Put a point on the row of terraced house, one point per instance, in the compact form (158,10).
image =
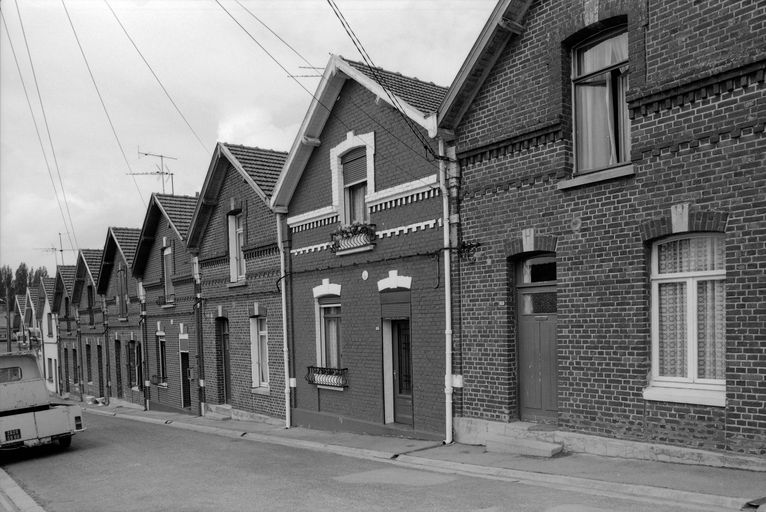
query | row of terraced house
(572,234)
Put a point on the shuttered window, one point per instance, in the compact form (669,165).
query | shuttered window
(354,165)
(395,304)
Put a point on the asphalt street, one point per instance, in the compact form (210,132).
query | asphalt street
(122,465)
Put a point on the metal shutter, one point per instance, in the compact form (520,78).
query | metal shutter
(354,165)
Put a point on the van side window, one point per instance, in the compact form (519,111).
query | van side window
(11,374)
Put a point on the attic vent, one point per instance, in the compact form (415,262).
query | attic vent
(164,241)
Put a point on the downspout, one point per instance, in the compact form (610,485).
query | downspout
(144,336)
(447,295)
(200,344)
(79,353)
(105,317)
(42,348)
(59,382)
(285,347)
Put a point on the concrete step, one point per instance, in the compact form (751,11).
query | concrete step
(218,411)
(498,443)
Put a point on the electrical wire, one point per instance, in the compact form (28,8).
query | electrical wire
(103,104)
(37,129)
(376,76)
(327,108)
(202,144)
(47,127)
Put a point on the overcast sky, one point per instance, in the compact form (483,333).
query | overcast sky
(225,86)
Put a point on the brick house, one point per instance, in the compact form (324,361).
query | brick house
(63,315)
(233,236)
(361,211)
(163,267)
(611,156)
(48,332)
(124,329)
(90,322)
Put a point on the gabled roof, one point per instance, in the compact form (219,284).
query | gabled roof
(122,241)
(424,96)
(418,100)
(32,297)
(46,292)
(505,22)
(21,304)
(259,168)
(177,210)
(86,270)
(64,284)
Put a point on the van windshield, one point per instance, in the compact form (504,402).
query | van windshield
(10,374)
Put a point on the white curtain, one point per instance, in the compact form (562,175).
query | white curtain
(672,329)
(711,330)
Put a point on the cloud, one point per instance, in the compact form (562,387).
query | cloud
(255,127)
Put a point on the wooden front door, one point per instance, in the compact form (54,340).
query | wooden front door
(537,348)
(222,325)
(118,367)
(402,359)
(185,381)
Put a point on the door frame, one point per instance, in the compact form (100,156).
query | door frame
(520,287)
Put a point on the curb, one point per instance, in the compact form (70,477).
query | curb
(686,499)
(15,499)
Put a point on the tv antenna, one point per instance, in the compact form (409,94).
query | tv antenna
(161,171)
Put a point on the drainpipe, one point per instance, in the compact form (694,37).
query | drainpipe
(79,353)
(105,316)
(283,248)
(144,336)
(59,383)
(200,344)
(447,295)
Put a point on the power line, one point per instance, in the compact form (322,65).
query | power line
(37,128)
(101,99)
(329,110)
(157,78)
(373,69)
(47,127)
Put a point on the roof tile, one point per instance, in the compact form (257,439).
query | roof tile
(263,165)
(93,260)
(127,239)
(180,209)
(424,96)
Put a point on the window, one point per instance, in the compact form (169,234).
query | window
(167,273)
(354,164)
(600,82)
(87,363)
(75,366)
(163,362)
(11,374)
(329,335)
(122,285)
(50,324)
(259,351)
(689,316)
(236,243)
(66,314)
(91,302)
(50,369)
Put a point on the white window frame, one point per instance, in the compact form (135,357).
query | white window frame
(322,335)
(162,346)
(237,264)
(688,389)
(259,351)
(348,214)
(578,78)
(336,170)
(167,271)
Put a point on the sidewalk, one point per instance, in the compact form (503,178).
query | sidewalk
(687,486)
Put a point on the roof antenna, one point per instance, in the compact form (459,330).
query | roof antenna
(161,171)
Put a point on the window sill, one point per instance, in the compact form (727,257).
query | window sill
(168,306)
(261,390)
(237,284)
(121,319)
(331,388)
(712,397)
(162,385)
(596,177)
(355,250)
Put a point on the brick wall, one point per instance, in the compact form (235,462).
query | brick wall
(263,272)
(414,252)
(697,137)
